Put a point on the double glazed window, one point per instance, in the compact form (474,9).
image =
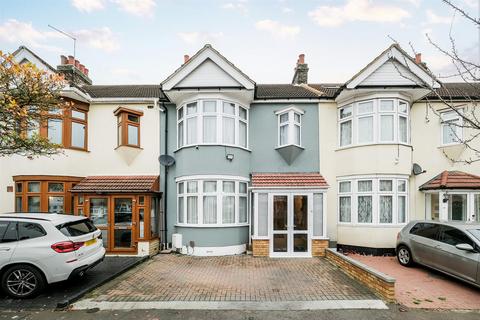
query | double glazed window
(210,202)
(452,131)
(373,121)
(128,127)
(212,122)
(379,200)
(289,127)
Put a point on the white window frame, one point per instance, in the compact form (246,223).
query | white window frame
(447,117)
(200,114)
(291,124)
(219,193)
(376,115)
(375,193)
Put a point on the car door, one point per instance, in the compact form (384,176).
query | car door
(8,241)
(423,239)
(457,262)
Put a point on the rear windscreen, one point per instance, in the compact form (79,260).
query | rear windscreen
(77,228)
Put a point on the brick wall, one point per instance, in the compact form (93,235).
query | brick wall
(318,247)
(381,284)
(153,247)
(260,248)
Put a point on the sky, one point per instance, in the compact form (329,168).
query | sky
(143,41)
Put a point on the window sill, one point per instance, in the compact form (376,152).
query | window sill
(450,145)
(211,145)
(352,146)
(184,225)
(372,225)
(128,146)
(289,145)
(77,149)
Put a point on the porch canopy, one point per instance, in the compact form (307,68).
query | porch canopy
(452,180)
(306,180)
(118,184)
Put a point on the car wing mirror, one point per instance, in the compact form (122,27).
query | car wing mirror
(464,247)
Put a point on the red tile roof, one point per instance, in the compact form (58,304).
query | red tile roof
(452,180)
(118,184)
(298,179)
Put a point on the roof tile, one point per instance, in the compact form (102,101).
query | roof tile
(452,180)
(120,184)
(297,179)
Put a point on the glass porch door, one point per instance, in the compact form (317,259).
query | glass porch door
(123,226)
(290,226)
(98,213)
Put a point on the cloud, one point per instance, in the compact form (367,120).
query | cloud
(357,10)
(88,5)
(99,38)
(239,6)
(137,7)
(15,31)
(433,18)
(416,3)
(199,37)
(141,8)
(277,29)
(471,3)
(287,10)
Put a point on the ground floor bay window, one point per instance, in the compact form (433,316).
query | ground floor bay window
(288,215)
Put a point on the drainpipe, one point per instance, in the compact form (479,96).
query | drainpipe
(165,184)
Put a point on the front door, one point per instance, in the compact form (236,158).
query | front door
(123,226)
(290,221)
(97,210)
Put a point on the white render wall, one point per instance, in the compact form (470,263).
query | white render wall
(102,157)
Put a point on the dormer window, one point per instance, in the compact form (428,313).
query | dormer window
(128,127)
(289,127)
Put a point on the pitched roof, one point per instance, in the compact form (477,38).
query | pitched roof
(452,180)
(456,90)
(125,91)
(294,179)
(118,184)
(35,55)
(283,91)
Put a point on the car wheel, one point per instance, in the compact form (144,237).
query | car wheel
(404,256)
(22,281)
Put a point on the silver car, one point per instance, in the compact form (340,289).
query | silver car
(452,248)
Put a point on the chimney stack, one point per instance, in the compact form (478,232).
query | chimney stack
(73,70)
(301,71)
(418,58)
(186,58)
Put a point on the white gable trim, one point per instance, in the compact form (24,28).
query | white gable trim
(207,52)
(396,55)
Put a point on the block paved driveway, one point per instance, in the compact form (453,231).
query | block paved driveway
(232,278)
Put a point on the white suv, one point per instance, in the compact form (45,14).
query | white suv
(38,249)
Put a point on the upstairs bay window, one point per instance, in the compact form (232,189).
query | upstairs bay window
(212,122)
(128,127)
(212,202)
(452,127)
(373,200)
(289,127)
(373,121)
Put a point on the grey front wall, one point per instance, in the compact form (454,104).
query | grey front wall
(211,160)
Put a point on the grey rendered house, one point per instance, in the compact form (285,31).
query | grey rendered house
(242,152)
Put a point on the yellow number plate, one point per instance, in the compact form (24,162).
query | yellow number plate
(90,242)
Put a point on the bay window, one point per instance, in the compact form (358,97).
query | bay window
(209,201)
(212,122)
(289,127)
(128,127)
(373,200)
(373,121)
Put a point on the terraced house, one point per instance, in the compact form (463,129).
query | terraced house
(213,163)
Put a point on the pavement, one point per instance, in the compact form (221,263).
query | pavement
(231,282)
(69,291)
(421,287)
(393,313)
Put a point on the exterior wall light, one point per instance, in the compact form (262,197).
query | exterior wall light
(230,156)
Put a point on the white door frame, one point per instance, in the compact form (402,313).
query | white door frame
(290,228)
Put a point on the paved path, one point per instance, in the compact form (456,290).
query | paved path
(174,278)
(420,287)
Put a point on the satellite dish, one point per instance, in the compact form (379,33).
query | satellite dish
(166,160)
(417,169)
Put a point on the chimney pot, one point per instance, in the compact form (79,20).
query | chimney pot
(63,60)
(418,58)
(301,58)
(85,72)
(77,63)
(82,68)
(186,58)
(71,60)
